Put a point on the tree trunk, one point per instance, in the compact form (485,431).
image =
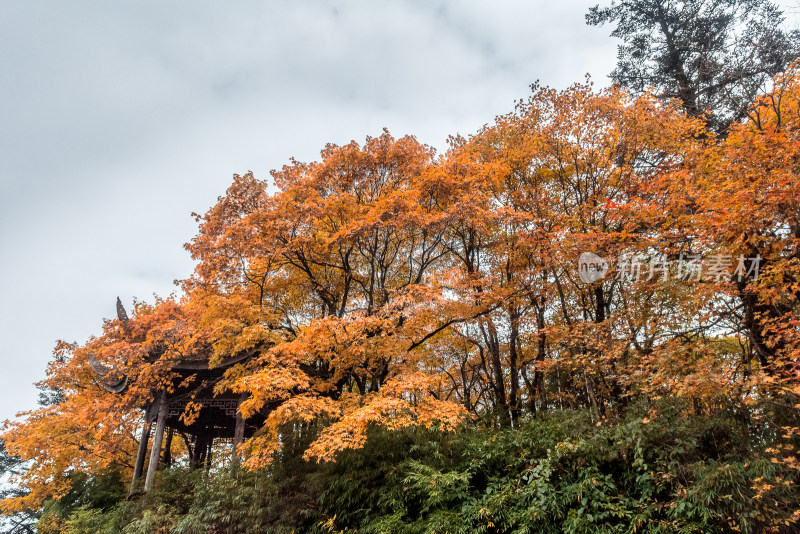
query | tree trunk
(238,434)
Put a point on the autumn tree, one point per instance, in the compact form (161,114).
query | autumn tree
(565,173)
(339,259)
(751,205)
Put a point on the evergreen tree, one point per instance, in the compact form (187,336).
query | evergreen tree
(20,523)
(714,56)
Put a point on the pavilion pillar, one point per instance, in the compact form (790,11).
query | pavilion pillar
(166,459)
(199,450)
(238,433)
(155,451)
(141,454)
(209,450)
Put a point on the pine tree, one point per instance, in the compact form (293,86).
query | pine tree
(714,56)
(21,522)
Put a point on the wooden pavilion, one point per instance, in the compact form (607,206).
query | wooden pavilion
(218,416)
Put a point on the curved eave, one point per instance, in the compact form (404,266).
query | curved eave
(203,365)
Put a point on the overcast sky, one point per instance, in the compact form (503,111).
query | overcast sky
(118,119)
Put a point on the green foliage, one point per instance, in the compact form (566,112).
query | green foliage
(89,498)
(560,472)
(191,501)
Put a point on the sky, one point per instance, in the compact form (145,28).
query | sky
(120,119)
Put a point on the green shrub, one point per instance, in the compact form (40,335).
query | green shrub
(560,472)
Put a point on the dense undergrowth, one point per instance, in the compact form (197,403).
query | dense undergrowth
(562,472)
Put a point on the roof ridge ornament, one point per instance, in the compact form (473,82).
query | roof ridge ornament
(121,314)
(108,379)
